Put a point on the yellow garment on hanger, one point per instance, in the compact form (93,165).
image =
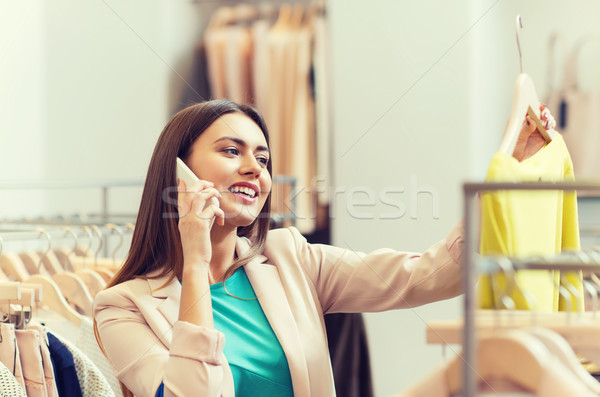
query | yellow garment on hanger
(526,223)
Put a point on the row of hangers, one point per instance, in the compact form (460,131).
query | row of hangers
(286,17)
(517,346)
(70,277)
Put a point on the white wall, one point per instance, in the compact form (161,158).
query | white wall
(401,121)
(22,116)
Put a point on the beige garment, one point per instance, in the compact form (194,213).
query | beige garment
(260,63)
(289,114)
(9,352)
(214,43)
(29,342)
(323,119)
(274,113)
(303,153)
(280,117)
(238,64)
(296,283)
(51,387)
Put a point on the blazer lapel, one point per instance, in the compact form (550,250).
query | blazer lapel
(269,290)
(167,303)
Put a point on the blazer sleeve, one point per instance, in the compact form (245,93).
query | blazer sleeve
(190,366)
(349,281)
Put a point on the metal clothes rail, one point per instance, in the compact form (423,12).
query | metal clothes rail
(103,184)
(470,262)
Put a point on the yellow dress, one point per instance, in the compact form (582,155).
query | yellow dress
(525,223)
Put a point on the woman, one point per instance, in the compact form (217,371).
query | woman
(237,309)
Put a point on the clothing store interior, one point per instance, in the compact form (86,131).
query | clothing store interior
(390,122)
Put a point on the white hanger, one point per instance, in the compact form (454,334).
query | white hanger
(525,102)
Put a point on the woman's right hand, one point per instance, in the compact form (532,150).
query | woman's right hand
(195,220)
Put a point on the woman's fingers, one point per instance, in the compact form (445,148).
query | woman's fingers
(192,198)
(220,216)
(202,200)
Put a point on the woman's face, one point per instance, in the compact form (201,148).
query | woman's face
(233,154)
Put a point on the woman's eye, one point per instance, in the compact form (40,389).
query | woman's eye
(232,151)
(262,160)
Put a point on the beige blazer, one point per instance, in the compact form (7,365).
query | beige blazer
(295,283)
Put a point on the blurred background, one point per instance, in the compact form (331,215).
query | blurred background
(412,99)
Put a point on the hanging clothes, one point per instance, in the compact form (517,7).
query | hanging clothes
(347,341)
(9,386)
(260,62)
(290,117)
(46,359)
(578,114)
(322,97)
(214,43)
(238,63)
(86,342)
(91,380)
(64,368)
(29,343)
(9,352)
(525,223)
(250,61)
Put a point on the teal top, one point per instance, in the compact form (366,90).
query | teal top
(257,361)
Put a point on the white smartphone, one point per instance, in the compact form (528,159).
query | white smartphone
(185,174)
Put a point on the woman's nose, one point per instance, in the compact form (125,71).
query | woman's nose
(251,166)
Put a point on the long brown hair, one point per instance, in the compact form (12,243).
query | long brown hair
(156,244)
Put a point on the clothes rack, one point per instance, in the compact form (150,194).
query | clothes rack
(471,262)
(106,186)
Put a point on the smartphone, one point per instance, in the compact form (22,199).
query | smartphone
(185,174)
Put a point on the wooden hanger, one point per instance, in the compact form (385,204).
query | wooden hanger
(34,263)
(75,291)
(14,299)
(50,262)
(10,290)
(222,17)
(54,299)
(13,266)
(47,258)
(284,18)
(513,356)
(525,103)
(92,279)
(245,14)
(560,348)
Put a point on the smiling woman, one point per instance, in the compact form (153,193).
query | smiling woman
(234,309)
(232,153)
